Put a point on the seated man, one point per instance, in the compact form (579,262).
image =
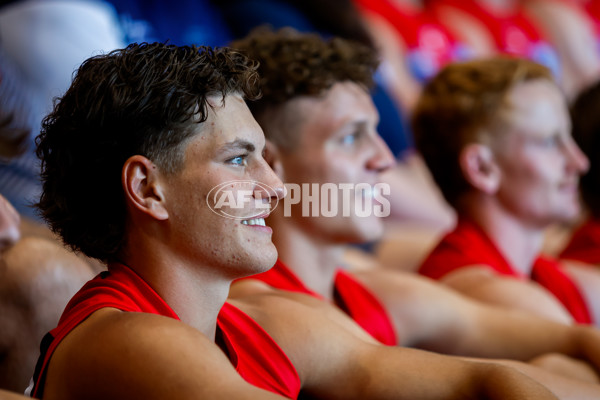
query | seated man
(38,277)
(496,136)
(130,156)
(42,44)
(321,130)
(571,29)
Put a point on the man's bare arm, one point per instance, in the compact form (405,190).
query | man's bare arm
(480,283)
(325,353)
(431,316)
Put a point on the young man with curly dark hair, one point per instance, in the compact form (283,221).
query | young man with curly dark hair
(130,156)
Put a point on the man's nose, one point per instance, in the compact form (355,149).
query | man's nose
(382,158)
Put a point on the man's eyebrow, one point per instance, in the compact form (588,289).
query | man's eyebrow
(353,124)
(361,124)
(238,144)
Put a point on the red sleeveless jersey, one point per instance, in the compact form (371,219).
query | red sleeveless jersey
(254,354)
(469,245)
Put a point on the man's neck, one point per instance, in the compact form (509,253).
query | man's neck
(195,293)
(519,243)
(313,260)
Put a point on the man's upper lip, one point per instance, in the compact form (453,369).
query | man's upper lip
(263,216)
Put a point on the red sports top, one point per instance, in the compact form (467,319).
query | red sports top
(349,294)
(430,45)
(469,245)
(513,33)
(584,245)
(254,354)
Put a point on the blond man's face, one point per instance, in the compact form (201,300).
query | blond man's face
(539,162)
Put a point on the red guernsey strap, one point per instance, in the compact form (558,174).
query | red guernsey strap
(358,302)
(255,355)
(547,272)
(469,245)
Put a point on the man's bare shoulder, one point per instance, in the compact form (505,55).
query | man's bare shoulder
(260,296)
(384,277)
(139,355)
(482,283)
(248,287)
(275,307)
(401,289)
(319,340)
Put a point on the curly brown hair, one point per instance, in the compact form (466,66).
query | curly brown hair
(457,106)
(145,99)
(296,64)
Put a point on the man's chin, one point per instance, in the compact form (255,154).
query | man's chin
(267,261)
(569,214)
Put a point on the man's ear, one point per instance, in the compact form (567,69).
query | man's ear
(479,167)
(142,187)
(273,158)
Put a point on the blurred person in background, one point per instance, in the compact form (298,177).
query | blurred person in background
(321,131)
(575,34)
(493,27)
(418,213)
(496,135)
(41,44)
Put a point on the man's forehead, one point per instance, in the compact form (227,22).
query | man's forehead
(220,142)
(533,102)
(229,128)
(342,104)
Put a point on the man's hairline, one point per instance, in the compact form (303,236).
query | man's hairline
(284,139)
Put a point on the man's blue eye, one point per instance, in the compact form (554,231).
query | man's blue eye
(551,141)
(349,139)
(239,160)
